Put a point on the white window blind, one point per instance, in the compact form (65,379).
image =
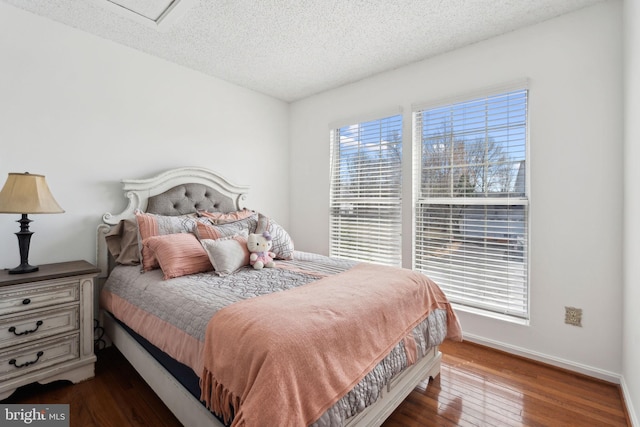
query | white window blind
(472,203)
(365,198)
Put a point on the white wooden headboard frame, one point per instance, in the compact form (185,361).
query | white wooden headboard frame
(138,191)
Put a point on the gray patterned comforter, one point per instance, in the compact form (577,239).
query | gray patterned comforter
(187,303)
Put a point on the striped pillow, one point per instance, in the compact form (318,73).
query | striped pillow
(178,254)
(150,225)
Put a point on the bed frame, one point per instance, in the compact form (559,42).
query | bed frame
(189,410)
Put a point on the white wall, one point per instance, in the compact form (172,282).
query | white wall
(631,332)
(87,112)
(574,66)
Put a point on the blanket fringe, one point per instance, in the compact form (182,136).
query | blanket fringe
(219,399)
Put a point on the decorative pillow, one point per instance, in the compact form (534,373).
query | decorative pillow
(224,218)
(242,227)
(122,241)
(178,254)
(150,225)
(282,243)
(228,254)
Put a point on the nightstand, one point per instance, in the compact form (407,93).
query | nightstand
(46,325)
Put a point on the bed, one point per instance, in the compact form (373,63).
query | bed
(214,337)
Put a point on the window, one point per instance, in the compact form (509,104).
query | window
(365,199)
(472,204)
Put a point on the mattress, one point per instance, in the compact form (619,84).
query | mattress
(173,315)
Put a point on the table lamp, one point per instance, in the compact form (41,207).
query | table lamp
(24,194)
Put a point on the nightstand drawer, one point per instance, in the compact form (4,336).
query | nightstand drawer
(31,357)
(21,298)
(38,324)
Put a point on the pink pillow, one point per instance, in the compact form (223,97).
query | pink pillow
(178,254)
(150,225)
(224,218)
(242,227)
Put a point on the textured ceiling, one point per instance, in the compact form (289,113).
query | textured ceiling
(148,9)
(291,49)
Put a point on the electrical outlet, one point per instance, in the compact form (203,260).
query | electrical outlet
(573,316)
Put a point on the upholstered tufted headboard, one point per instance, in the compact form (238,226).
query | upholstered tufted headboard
(174,192)
(188,198)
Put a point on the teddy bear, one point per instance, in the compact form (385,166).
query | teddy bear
(259,245)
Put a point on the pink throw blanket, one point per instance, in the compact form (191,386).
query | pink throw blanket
(283,359)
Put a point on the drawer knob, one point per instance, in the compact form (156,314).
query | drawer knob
(15,363)
(26,301)
(13,329)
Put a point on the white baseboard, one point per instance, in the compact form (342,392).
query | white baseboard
(602,374)
(628,402)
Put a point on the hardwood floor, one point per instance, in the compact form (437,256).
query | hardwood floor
(477,386)
(116,397)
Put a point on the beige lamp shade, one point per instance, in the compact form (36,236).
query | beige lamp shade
(26,193)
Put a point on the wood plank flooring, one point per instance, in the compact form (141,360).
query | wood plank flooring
(477,386)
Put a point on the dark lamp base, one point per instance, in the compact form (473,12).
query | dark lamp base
(24,239)
(23,268)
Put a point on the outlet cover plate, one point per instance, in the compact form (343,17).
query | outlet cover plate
(573,316)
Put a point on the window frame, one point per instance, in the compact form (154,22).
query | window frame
(522,314)
(376,244)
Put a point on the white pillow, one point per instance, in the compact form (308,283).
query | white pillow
(227,255)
